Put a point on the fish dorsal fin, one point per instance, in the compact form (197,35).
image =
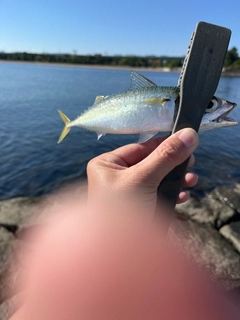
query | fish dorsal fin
(139,81)
(98,99)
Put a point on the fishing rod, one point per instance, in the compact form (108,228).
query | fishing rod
(198,82)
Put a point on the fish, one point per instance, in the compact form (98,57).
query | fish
(144,109)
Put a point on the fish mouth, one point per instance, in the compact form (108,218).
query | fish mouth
(223,116)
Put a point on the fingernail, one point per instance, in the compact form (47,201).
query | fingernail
(189,137)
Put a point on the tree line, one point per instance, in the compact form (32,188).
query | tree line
(96,59)
(232,60)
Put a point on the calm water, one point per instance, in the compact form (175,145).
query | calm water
(31,161)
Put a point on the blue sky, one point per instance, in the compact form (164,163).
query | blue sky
(151,27)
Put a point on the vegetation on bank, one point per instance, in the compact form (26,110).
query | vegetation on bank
(96,59)
(232,59)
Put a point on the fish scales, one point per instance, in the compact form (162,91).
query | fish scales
(132,111)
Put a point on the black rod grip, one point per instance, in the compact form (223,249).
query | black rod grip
(169,188)
(199,79)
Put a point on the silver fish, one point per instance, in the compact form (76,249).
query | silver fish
(144,109)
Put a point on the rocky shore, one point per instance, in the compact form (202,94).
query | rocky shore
(231,73)
(207,230)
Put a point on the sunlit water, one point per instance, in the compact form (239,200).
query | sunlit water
(31,161)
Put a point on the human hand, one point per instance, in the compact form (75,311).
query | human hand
(109,267)
(135,171)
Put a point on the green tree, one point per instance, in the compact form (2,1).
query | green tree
(231,57)
(174,63)
(236,64)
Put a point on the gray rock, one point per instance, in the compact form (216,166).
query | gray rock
(218,213)
(10,306)
(217,208)
(232,233)
(228,195)
(10,263)
(7,246)
(17,211)
(208,249)
(197,211)
(190,208)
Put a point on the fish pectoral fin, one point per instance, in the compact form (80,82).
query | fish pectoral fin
(98,99)
(99,135)
(145,136)
(139,81)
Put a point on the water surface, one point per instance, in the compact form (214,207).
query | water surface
(32,163)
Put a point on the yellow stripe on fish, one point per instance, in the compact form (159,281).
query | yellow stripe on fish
(156,101)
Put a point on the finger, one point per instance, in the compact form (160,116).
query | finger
(182,197)
(191,161)
(133,153)
(169,154)
(190,179)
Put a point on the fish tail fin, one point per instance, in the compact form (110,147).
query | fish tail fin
(66,129)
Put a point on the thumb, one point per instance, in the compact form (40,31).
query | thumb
(169,154)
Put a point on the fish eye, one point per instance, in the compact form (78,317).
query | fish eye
(213,105)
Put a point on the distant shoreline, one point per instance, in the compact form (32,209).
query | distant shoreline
(225,73)
(96,66)
(231,73)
